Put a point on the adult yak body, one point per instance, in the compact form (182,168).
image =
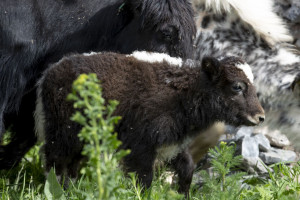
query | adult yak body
(36,33)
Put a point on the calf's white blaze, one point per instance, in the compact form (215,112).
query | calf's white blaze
(247,70)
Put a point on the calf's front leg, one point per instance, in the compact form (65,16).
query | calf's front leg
(184,166)
(142,164)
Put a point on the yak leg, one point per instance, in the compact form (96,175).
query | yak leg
(184,168)
(142,164)
(23,135)
(62,151)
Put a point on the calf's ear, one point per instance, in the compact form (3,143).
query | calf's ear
(212,67)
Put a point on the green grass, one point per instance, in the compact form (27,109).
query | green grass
(27,181)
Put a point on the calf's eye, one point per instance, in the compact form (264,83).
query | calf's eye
(238,87)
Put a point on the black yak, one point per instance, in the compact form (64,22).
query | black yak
(34,34)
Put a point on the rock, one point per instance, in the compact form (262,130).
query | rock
(197,179)
(274,136)
(245,181)
(298,43)
(168,177)
(263,142)
(254,165)
(247,146)
(243,131)
(277,155)
(277,139)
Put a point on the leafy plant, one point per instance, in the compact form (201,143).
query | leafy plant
(283,183)
(100,144)
(220,185)
(53,189)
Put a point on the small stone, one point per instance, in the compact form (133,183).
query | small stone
(169,177)
(277,155)
(263,142)
(254,165)
(197,179)
(247,146)
(244,131)
(260,129)
(277,139)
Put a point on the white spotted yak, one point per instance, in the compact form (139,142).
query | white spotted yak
(251,30)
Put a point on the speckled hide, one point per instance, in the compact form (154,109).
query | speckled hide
(164,103)
(251,30)
(289,10)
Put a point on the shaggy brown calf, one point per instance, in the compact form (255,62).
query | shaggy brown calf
(163,104)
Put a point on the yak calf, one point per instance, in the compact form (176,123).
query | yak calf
(164,103)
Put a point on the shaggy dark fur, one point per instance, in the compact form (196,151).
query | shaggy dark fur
(36,33)
(161,105)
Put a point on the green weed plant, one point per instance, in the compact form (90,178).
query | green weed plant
(96,117)
(281,183)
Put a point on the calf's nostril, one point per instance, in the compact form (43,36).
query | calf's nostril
(261,119)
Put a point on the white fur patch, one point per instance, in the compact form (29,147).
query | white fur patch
(285,57)
(247,70)
(90,54)
(153,57)
(258,13)
(167,153)
(216,5)
(287,79)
